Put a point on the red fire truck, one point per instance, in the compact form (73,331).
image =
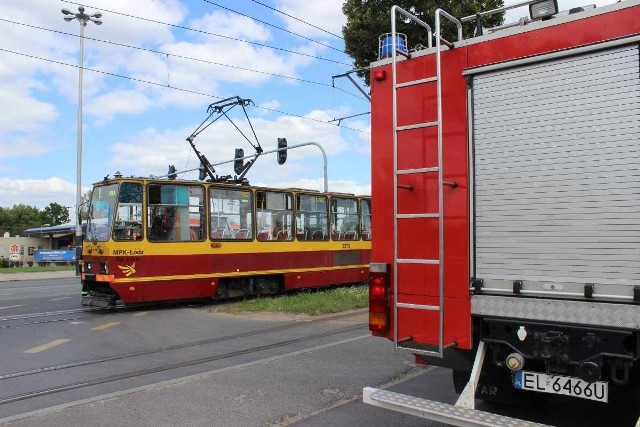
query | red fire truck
(512,162)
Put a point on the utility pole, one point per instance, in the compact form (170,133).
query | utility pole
(82,18)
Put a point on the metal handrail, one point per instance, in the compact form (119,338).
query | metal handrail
(497,10)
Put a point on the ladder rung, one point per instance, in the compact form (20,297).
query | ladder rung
(416,82)
(418,170)
(419,306)
(417,126)
(420,215)
(417,261)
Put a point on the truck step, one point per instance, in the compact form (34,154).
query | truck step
(438,411)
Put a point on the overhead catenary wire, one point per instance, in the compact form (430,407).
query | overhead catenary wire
(182,27)
(272,25)
(182,57)
(162,85)
(297,19)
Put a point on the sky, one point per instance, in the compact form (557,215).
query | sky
(150,72)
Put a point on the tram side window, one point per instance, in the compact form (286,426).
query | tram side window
(365,219)
(175,213)
(274,216)
(312,218)
(128,225)
(231,214)
(344,219)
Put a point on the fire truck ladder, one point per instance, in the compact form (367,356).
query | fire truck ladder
(428,170)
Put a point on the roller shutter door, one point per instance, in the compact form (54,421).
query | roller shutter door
(557,175)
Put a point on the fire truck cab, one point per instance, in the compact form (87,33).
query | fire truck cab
(511,161)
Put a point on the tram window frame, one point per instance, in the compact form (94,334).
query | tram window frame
(311,220)
(101,212)
(274,216)
(129,213)
(345,224)
(170,210)
(365,219)
(220,226)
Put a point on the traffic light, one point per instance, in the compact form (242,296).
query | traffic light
(172,172)
(238,163)
(282,154)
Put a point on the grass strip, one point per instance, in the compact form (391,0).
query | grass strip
(11,270)
(312,302)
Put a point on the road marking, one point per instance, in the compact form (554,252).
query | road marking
(11,306)
(58,299)
(47,346)
(166,383)
(141,313)
(105,326)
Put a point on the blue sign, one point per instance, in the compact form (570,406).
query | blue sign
(50,255)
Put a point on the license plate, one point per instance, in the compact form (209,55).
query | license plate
(558,384)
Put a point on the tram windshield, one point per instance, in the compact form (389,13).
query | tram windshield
(101,212)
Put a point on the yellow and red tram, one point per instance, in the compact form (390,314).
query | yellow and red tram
(150,240)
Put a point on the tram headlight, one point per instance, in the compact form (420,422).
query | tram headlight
(104,268)
(88,266)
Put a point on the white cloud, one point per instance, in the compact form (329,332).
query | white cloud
(146,124)
(124,101)
(230,25)
(39,193)
(15,101)
(151,151)
(323,14)
(272,104)
(22,146)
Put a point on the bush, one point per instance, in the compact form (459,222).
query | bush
(4,263)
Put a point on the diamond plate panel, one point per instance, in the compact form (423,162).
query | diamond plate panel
(578,312)
(440,411)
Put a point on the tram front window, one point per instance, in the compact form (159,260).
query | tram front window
(101,212)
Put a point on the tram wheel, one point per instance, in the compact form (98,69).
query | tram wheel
(221,292)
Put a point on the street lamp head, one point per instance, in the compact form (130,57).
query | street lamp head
(97,21)
(81,9)
(66,12)
(97,15)
(69,18)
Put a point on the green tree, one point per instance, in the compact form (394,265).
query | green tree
(55,214)
(368,19)
(20,217)
(4,220)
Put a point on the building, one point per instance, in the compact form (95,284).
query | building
(41,245)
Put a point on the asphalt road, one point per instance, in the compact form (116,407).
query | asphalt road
(189,365)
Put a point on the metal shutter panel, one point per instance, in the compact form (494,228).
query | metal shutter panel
(557,175)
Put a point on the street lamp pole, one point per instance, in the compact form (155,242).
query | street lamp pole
(82,18)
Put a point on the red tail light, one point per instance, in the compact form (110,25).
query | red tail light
(378,298)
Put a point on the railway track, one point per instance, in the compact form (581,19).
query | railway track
(50,317)
(176,365)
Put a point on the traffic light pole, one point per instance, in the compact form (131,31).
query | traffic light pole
(304,144)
